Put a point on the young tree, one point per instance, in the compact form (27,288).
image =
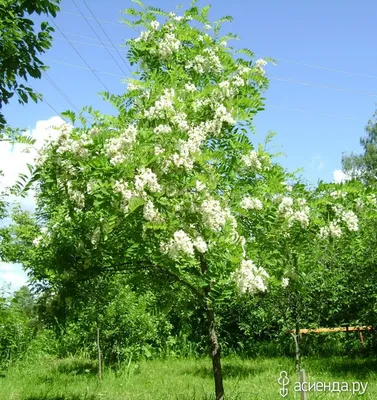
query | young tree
(364,166)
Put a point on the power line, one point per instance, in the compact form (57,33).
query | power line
(82,58)
(86,4)
(85,43)
(98,37)
(90,38)
(268,105)
(81,67)
(311,112)
(353,91)
(327,68)
(82,16)
(61,92)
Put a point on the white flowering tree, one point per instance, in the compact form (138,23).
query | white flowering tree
(313,227)
(170,182)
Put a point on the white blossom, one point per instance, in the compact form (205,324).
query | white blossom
(250,278)
(180,243)
(285,282)
(251,203)
(190,87)
(200,244)
(213,215)
(150,213)
(146,178)
(251,160)
(155,25)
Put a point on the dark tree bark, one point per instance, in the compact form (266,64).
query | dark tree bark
(215,354)
(214,345)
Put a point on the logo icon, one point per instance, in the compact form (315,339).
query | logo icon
(283,381)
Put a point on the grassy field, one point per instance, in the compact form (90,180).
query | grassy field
(190,379)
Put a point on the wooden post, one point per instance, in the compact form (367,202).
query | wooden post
(99,358)
(302,380)
(297,351)
(361,338)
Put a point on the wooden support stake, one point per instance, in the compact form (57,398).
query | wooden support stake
(302,380)
(99,358)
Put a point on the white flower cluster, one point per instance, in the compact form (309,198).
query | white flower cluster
(96,235)
(162,129)
(144,37)
(300,215)
(150,213)
(260,64)
(131,86)
(359,204)
(213,215)
(180,119)
(332,230)
(337,194)
(158,150)
(182,243)
(76,196)
(199,186)
(146,178)
(155,25)
(190,87)
(165,103)
(285,283)
(115,147)
(250,278)
(187,149)
(74,146)
(242,70)
(252,160)
(37,241)
(251,203)
(348,217)
(168,45)
(222,114)
(204,64)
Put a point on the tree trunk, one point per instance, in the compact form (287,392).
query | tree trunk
(297,345)
(214,346)
(99,357)
(215,354)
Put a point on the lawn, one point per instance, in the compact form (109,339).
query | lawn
(76,379)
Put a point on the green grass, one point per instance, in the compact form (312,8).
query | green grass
(186,379)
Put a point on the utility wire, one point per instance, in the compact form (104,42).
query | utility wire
(102,20)
(311,112)
(61,92)
(81,67)
(103,30)
(268,105)
(290,80)
(82,58)
(98,37)
(327,68)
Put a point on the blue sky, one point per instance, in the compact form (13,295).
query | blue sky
(317,110)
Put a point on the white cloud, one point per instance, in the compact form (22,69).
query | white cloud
(317,162)
(13,161)
(340,176)
(12,274)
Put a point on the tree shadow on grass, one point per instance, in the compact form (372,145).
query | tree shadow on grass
(78,367)
(64,397)
(229,371)
(358,368)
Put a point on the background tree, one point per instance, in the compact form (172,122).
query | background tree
(20,46)
(364,166)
